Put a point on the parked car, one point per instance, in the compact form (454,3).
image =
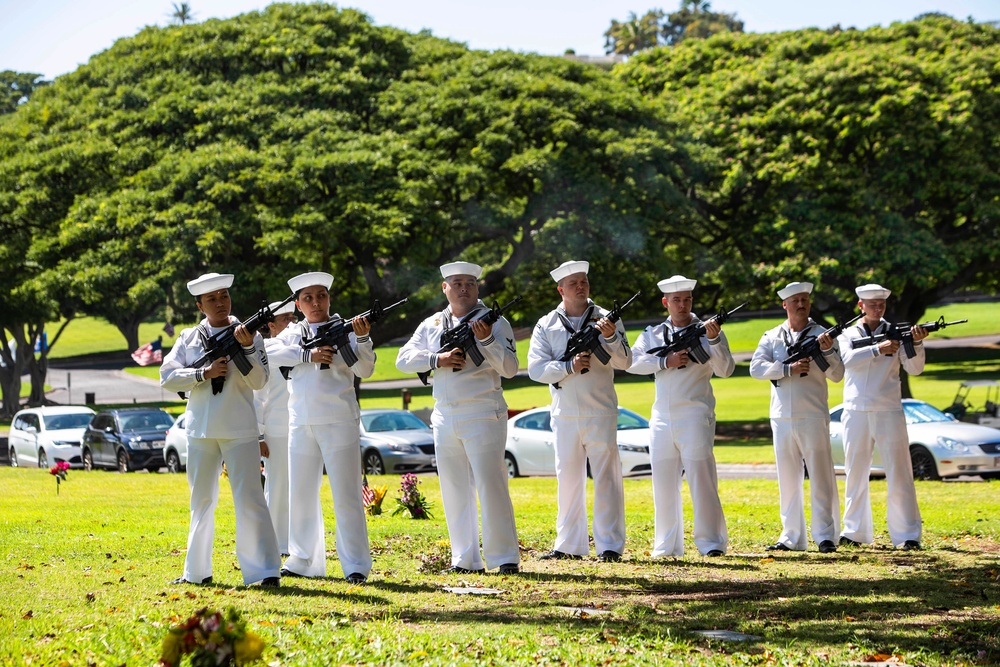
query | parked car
(531,443)
(175,448)
(396,441)
(45,436)
(940,446)
(126,439)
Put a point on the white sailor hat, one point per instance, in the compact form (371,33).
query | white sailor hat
(210,282)
(287,309)
(872,291)
(676,284)
(569,268)
(304,280)
(461,269)
(794,288)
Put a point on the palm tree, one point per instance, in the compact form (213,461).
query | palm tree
(634,34)
(182,13)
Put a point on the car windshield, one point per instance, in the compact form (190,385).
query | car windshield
(60,422)
(146,421)
(922,413)
(393,421)
(629,421)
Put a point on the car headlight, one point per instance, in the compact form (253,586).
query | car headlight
(952,445)
(65,443)
(404,448)
(139,444)
(632,448)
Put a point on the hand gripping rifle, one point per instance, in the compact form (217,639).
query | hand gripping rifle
(903,332)
(224,343)
(808,347)
(461,335)
(588,338)
(689,338)
(336,333)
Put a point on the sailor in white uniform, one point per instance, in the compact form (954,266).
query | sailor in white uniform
(800,423)
(222,428)
(324,428)
(682,428)
(470,424)
(271,404)
(873,417)
(584,417)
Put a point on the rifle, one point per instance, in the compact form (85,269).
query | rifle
(689,338)
(335,333)
(903,332)
(224,343)
(461,335)
(588,338)
(808,347)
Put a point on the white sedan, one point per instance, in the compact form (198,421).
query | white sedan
(175,447)
(940,446)
(531,443)
(45,436)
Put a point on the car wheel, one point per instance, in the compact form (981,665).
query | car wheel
(512,470)
(173,462)
(373,463)
(43,459)
(88,460)
(12,457)
(122,461)
(923,463)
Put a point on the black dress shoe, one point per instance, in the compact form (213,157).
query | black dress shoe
(715,553)
(182,580)
(559,555)
(778,546)
(609,556)
(827,547)
(848,542)
(270,582)
(911,545)
(356,578)
(509,568)
(285,572)
(455,569)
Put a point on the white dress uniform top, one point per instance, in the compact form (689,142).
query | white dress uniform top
(324,415)
(470,434)
(271,404)
(682,434)
(222,428)
(585,426)
(873,416)
(800,422)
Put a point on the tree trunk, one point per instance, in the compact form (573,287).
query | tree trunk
(904,380)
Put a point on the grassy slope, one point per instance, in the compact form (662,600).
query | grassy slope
(85,578)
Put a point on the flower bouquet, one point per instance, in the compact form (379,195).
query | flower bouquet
(59,471)
(212,640)
(373,497)
(411,500)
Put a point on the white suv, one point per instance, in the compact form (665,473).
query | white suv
(175,451)
(45,436)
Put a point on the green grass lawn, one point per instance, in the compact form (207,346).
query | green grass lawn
(85,582)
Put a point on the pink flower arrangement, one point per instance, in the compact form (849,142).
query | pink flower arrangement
(411,500)
(211,640)
(59,471)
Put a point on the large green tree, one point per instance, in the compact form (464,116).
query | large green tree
(841,157)
(16,88)
(304,137)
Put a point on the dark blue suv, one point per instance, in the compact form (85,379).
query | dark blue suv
(126,439)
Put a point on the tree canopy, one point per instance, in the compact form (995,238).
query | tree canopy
(693,20)
(841,157)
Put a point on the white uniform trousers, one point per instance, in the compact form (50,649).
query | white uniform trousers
(795,441)
(256,547)
(276,486)
(887,430)
(577,440)
(339,447)
(470,451)
(685,446)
